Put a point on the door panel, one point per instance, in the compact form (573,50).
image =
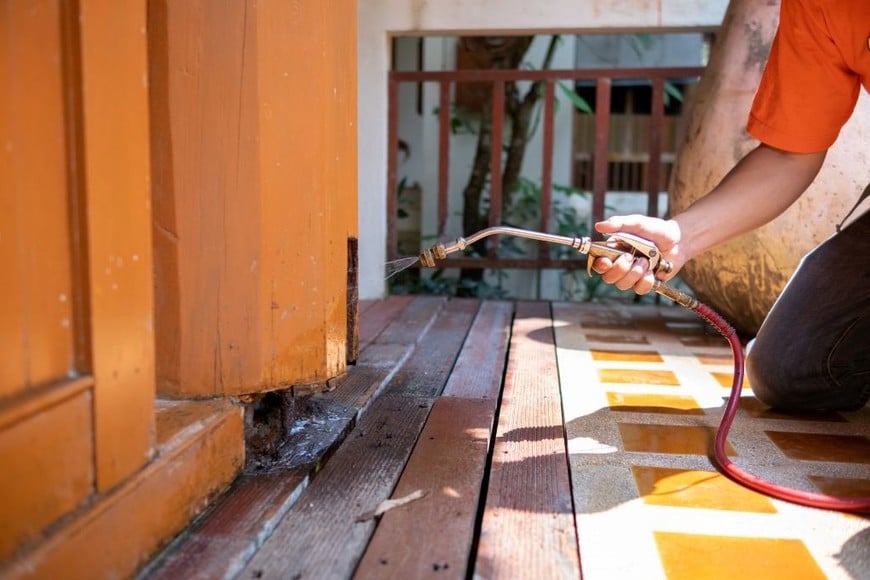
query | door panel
(76,330)
(36,321)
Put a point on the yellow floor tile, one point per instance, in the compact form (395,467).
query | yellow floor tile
(650,403)
(689,557)
(624,376)
(697,489)
(725,379)
(672,439)
(822,447)
(626,355)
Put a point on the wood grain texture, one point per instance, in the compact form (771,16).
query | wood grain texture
(363,471)
(528,521)
(120,279)
(255,192)
(478,371)
(376,315)
(131,522)
(36,317)
(433,536)
(320,537)
(221,544)
(427,370)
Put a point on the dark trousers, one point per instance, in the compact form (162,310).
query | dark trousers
(813,349)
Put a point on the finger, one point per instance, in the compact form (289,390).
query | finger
(619,269)
(602,265)
(645,284)
(637,270)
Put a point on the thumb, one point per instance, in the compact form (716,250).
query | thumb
(610,225)
(637,224)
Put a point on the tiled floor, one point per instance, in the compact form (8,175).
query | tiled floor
(648,500)
(546,441)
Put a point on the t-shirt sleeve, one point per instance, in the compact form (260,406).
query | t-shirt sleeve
(806,93)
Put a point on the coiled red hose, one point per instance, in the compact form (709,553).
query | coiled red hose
(817,500)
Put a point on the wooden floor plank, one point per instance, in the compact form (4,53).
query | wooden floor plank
(479,369)
(426,373)
(411,322)
(221,543)
(434,535)
(376,315)
(528,521)
(364,470)
(320,536)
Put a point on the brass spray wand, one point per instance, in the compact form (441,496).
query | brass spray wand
(614,247)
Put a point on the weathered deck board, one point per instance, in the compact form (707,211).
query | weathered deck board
(443,340)
(364,470)
(528,521)
(435,535)
(376,315)
(226,538)
(480,367)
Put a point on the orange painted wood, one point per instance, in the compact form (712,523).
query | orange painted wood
(116,167)
(210,330)
(47,469)
(307,144)
(254,108)
(528,521)
(434,535)
(201,454)
(36,296)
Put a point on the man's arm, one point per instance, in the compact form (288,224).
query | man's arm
(759,188)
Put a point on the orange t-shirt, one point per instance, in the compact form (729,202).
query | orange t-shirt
(818,61)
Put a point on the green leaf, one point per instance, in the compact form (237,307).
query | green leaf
(579,102)
(671,90)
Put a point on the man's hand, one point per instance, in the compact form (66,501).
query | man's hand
(629,273)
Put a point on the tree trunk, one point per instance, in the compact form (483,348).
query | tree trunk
(505,55)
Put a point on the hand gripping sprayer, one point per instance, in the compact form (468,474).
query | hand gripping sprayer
(613,248)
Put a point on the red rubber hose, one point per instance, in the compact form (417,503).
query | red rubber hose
(817,500)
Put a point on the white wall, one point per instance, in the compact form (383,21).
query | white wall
(379,20)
